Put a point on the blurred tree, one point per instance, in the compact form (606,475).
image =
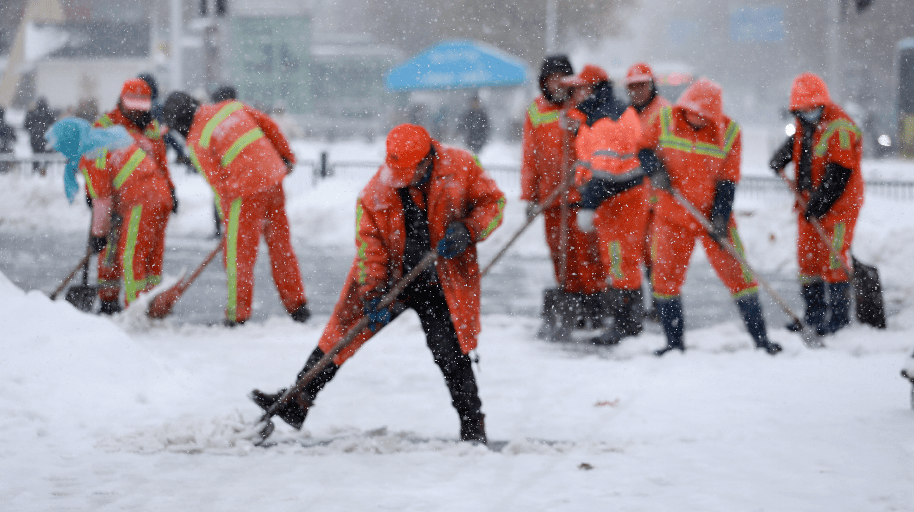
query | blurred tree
(517,27)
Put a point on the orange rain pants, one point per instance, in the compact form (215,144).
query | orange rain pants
(584,270)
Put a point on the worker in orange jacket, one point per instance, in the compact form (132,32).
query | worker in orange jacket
(645,98)
(425,197)
(826,150)
(694,148)
(614,196)
(133,113)
(546,167)
(244,157)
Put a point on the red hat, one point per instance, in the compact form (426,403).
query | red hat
(407,145)
(136,95)
(808,92)
(639,72)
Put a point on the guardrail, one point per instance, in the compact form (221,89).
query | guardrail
(507,176)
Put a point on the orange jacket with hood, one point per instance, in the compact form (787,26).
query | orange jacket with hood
(459,190)
(239,149)
(695,159)
(836,139)
(151,138)
(547,153)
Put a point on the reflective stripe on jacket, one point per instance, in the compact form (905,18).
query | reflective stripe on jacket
(239,149)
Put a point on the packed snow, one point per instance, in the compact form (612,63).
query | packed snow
(127,413)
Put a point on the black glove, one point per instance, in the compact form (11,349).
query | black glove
(455,241)
(654,168)
(97,244)
(830,190)
(174,202)
(721,209)
(782,156)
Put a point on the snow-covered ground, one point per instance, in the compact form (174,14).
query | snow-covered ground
(125,413)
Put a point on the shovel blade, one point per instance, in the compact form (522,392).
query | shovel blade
(82,297)
(264,432)
(160,306)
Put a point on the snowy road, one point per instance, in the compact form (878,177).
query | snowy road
(514,286)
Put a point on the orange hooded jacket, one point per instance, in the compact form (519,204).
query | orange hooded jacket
(695,159)
(152,140)
(835,140)
(239,149)
(459,190)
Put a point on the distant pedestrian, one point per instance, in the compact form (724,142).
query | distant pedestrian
(37,122)
(474,125)
(7,140)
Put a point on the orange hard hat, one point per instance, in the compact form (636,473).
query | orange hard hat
(407,145)
(808,92)
(136,95)
(590,76)
(639,72)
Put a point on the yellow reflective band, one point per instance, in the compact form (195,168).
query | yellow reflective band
(231,259)
(239,145)
(207,134)
(745,293)
(668,140)
(844,129)
(837,242)
(154,131)
(492,225)
(615,256)
(88,178)
(538,118)
(105,121)
(132,286)
(129,167)
(730,137)
(362,246)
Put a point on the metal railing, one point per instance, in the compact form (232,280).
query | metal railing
(507,176)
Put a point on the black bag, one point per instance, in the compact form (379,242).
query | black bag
(868,295)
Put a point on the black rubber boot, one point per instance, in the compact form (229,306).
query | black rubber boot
(302,314)
(814,297)
(751,310)
(673,323)
(473,429)
(109,307)
(296,409)
(549,314)
(629,318)
(593,312)
(569,307)
(839,305)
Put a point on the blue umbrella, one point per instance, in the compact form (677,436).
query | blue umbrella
(458,65)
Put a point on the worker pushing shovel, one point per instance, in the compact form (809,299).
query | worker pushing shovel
(420,216)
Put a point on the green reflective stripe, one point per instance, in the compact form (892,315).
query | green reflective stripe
(361,245)
(668,140)
(132,286)
(730,136)
(196,161)
(844,129)
(129,167)
(231,259)
(154,131)
(837,242)
(615,256)
(207,134)
(538,118)
(745,293)
(239,145)
(805,279)
(738,245)
(105,121)
(89,186)
(664,297)
(153,280)
(494,223)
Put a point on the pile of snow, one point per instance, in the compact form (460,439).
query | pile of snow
(128,413)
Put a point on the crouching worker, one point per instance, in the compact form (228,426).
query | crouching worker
(123,179)
(425,197)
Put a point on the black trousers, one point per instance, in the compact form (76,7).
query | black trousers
(427,300)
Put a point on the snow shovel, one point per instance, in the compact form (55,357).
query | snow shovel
(83,295)
(160,306)
(870,307)
(810,338)
(84,262)
(264,432)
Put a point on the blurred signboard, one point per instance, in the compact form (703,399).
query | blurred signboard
(757,24)
(270,61)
